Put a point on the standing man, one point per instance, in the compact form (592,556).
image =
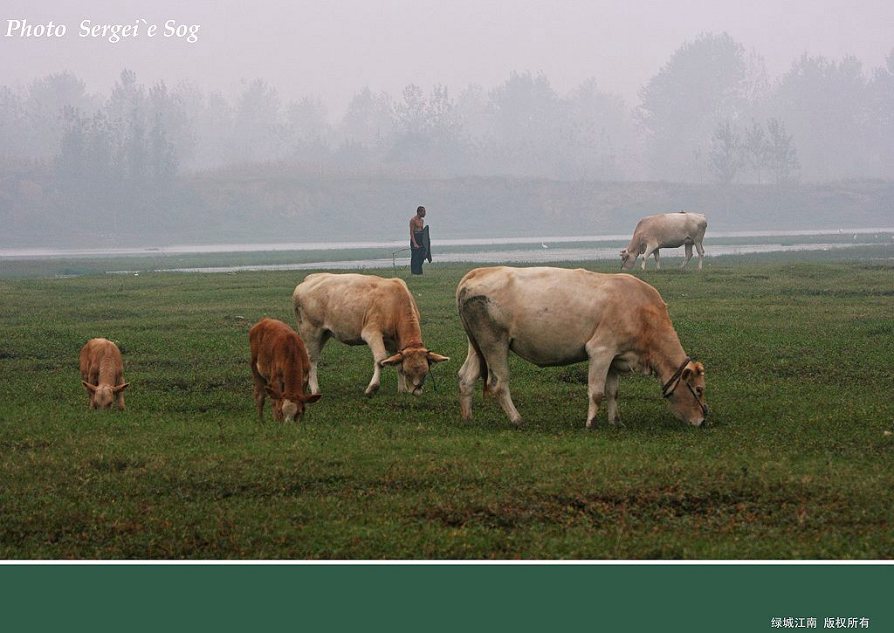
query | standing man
(419,242)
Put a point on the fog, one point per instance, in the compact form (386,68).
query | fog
(503,118)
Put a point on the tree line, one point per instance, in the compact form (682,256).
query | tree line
(710,114)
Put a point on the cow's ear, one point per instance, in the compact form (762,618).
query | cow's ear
(311,398)
(90,388)
(391,360)
(121,387)
(436,358)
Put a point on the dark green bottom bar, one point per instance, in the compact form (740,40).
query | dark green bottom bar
(724,598)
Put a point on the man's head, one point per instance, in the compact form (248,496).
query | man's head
(420,211)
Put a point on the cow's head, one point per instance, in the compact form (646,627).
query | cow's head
(628,258)
(687,395)
(289,406)
(415,363)
(103,396)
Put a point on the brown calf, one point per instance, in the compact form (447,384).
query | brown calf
(279,365)
(102,373)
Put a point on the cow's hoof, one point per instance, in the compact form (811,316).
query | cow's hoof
(591,424)
(371,390)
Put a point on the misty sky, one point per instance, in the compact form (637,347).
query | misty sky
(333,49)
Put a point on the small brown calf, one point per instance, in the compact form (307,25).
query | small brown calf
(102,373)
(279,364)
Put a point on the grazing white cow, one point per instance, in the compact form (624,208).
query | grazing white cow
(364,310)
(666,230)
(279,368)
(102,373)
(557,316)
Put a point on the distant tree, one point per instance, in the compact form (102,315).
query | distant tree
(368,121)
(163,156)
(704,83)
(86,174)
(306,121)
(525,112)
(824,104)
(257,133)
(127,100)
(782,157)
(125,121)
(880,115)
(167,116)
(726,155)
(755,149)
(428,130)
(44,108)
(213,118)
(596,133)
(12,123)
(472,110)
(443,120)
(411,113)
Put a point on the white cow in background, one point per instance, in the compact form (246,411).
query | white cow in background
(666,230)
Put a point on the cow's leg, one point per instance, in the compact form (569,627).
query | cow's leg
(657,260)
(701,253)
(314,341)
(686,259)
(498,381)
(468,374)
(119,378)
(260,389)
(494,345)
(377,347)
(492,342)
(85,377)
(612,380)
(401,380)
(600,361)
(650,248)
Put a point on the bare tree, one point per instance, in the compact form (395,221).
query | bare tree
(756,149)
(782,157)
(726,155)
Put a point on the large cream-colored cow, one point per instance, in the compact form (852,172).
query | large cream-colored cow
(557,316)
(364,310)
(666,230)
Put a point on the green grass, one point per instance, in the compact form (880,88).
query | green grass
(797,463)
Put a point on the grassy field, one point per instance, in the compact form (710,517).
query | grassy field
(796,465)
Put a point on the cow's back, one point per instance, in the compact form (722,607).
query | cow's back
(97,351)
(277,348)
(345,304)
(669,230)
(549,314)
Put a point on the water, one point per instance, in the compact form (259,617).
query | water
(543,256)
(533,250)
(390,246)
